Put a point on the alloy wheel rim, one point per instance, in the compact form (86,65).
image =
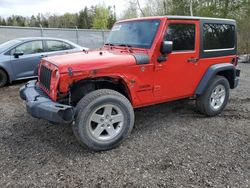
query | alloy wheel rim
(217,97)
(106,122)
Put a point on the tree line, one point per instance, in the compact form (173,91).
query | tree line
(95,17)
(211,8)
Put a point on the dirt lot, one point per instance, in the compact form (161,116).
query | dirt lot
(171,146)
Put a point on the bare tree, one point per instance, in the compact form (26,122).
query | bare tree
(139,6)
(191,7)
(165,7)
(131,10)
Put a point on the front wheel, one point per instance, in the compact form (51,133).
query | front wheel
(104,119)
(3,78)
(213,101)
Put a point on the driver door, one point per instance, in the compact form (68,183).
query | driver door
(176,76)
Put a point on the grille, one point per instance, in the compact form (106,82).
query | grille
(45,77)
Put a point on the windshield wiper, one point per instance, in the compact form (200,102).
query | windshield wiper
(109,44)
(126,45)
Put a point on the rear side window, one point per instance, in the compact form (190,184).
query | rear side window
(54,45)
(218,36)
(182,35)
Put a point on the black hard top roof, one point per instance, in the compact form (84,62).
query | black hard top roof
(198,18)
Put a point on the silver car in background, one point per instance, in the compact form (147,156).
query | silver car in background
(19,58)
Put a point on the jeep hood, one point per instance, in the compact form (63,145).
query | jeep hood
(91,60)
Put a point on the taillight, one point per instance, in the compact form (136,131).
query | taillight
(235,61)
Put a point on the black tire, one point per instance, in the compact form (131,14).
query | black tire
(89,105)
(3,78)
(203,102)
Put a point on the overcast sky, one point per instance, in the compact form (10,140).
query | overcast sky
(33,7)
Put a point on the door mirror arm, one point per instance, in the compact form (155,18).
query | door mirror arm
(162,58)
(166,48)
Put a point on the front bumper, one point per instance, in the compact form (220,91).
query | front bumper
(39,105)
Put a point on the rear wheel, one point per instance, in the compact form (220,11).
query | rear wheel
(104,119)
(3,78)
(213,101)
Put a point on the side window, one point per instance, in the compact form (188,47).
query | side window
(54,45)
(68,46)
(182,35)
(29,48)
(218,36)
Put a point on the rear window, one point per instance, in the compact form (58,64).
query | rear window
(54,45)
(218,36)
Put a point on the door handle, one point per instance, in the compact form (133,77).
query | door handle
(193,60)
(42,56)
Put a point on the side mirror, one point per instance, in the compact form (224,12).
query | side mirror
(17,54)
(166,47)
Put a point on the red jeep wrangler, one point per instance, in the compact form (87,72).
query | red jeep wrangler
(144,62)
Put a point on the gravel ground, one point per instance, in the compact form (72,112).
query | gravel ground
(171,146)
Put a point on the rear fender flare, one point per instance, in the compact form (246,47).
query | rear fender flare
(211,72)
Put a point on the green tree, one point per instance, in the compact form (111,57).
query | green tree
(44,21)
(33,22)
(85,19)
(3,22)
(100,20)
(69,20)
(112,17)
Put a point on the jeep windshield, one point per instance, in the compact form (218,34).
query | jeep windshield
(140,33)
